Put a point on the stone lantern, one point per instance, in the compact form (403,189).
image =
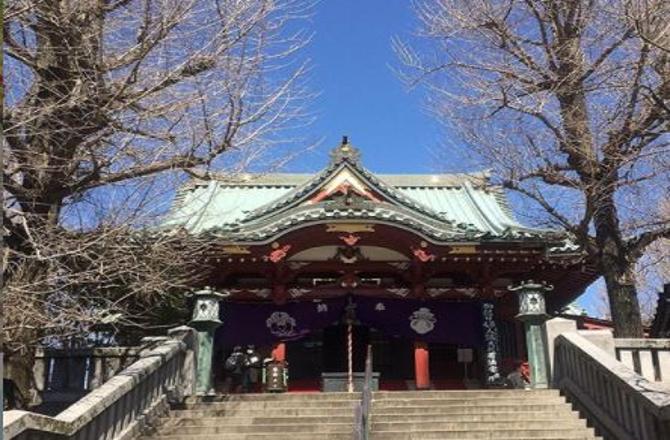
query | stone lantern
(205,321)
(533,313)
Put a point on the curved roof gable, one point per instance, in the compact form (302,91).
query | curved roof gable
(440,207)
(345,171)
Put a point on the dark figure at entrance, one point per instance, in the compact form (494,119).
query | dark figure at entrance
(234,366)
(252,364)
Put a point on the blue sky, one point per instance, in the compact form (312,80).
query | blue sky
(360,95)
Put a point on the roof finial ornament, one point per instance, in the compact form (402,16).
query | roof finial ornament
(345,151)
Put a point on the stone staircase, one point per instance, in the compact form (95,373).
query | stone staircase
(476,414)
(482,414)
(327,416)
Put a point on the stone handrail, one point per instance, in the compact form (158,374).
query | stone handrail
(621,404)
(648,357)
(125,404)
(364,407)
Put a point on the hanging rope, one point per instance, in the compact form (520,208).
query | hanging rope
(350,358)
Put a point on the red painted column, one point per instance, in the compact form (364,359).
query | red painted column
(279,352)
(421,368)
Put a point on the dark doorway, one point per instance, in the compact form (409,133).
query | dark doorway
(305,357)
(335,343)
(393,358)
(325,351)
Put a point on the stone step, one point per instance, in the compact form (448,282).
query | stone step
(464,394)
(226,428)
(268,404)
(471,409)
(423,435)
(275,396)
(481,401)
(246,412)
(434,401)
(507,416)
(259,419)
(507,434)
(315,435)
(492,426)
(263,418)
(560,408)
(567,426)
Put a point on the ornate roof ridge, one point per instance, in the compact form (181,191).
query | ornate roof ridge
(397,180)
(347,156)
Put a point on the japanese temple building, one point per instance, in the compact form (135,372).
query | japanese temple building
(432,271)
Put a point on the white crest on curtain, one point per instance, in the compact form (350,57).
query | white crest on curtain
(422,321)
(281,324)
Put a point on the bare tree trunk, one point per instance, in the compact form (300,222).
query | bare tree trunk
(624,304)
(617,265)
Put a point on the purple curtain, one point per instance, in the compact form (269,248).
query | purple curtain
(430,321)
(262,324)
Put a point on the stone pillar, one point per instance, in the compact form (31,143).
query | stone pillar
(533,313)
(421,365)
(205,321)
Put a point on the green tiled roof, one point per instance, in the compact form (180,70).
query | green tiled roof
(443,207)
(210,204)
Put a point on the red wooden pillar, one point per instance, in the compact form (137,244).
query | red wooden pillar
(279,352)
(421,369)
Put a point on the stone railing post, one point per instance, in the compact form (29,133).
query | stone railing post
(553,328)
(533,313)
(188,375)
(205,321)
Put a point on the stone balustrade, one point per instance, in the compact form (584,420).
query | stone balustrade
(123,406)
(648,357)
(88,367)
(621,404)
(63,376)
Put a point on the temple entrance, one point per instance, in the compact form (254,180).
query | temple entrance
(325,351)
(415,344)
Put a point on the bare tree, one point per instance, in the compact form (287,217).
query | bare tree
(107,101)
(570,102)
(649,17)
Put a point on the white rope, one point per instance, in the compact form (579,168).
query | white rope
(350,358)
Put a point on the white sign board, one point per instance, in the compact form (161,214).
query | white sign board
(464,355)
